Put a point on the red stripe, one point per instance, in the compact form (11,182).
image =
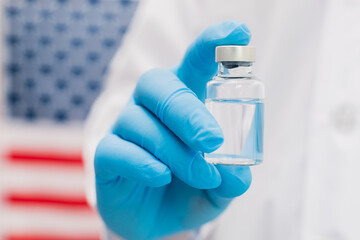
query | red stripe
(47,200)
(45,157)
(47,237)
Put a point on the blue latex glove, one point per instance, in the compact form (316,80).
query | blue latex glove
(151,178)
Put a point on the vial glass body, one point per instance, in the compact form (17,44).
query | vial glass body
(236,99)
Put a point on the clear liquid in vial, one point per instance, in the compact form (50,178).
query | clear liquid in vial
(242,124)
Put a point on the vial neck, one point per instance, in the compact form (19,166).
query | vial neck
(235,69)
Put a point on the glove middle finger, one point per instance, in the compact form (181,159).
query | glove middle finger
(141,127)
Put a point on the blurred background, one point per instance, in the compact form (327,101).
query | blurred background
(54,58)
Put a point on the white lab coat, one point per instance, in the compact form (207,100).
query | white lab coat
(308,56)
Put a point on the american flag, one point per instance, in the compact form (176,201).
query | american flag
(56,53)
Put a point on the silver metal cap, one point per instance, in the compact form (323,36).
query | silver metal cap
(230,53)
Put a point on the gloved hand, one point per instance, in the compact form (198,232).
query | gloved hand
(151,178)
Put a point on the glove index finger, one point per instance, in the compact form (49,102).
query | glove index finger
(163,94)
(198,64)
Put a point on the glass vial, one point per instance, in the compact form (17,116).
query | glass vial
(236,99)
